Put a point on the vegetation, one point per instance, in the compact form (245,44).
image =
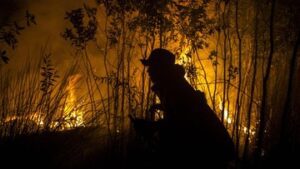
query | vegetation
(242,54)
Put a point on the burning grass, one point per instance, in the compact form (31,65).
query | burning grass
(36,99)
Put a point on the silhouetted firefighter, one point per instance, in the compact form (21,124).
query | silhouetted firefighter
(190,134)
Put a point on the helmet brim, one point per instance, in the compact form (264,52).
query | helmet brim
(145,62)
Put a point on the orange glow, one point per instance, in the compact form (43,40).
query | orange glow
(251,131)
(37,118)
(73,115)
(226,113)
(184,59)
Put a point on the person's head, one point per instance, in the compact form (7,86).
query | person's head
(158,62)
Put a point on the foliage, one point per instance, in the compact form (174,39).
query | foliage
(232,79)
(9,34)
(81,32)
(49,75)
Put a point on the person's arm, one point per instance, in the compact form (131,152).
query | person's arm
(155,107)
(145,128)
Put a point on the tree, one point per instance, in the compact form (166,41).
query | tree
(9,35)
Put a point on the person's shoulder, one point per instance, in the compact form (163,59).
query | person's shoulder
(179,70)
(201,96)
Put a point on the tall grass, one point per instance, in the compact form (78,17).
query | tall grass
(36,97)
(231,72)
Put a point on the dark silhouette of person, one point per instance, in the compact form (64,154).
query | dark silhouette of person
(190,134)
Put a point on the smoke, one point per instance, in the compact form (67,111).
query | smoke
(49,15)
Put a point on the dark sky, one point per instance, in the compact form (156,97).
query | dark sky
(8,9)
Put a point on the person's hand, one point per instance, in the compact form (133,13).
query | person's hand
(153,108)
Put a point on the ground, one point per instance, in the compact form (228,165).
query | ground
(79,148)
(87,148)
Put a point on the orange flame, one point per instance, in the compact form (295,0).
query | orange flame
(73,115)
(226,113)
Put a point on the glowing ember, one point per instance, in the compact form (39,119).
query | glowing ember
(184,58)
(72,115)
(226,113)
(37,118)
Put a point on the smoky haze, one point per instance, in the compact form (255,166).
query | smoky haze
(49,15)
